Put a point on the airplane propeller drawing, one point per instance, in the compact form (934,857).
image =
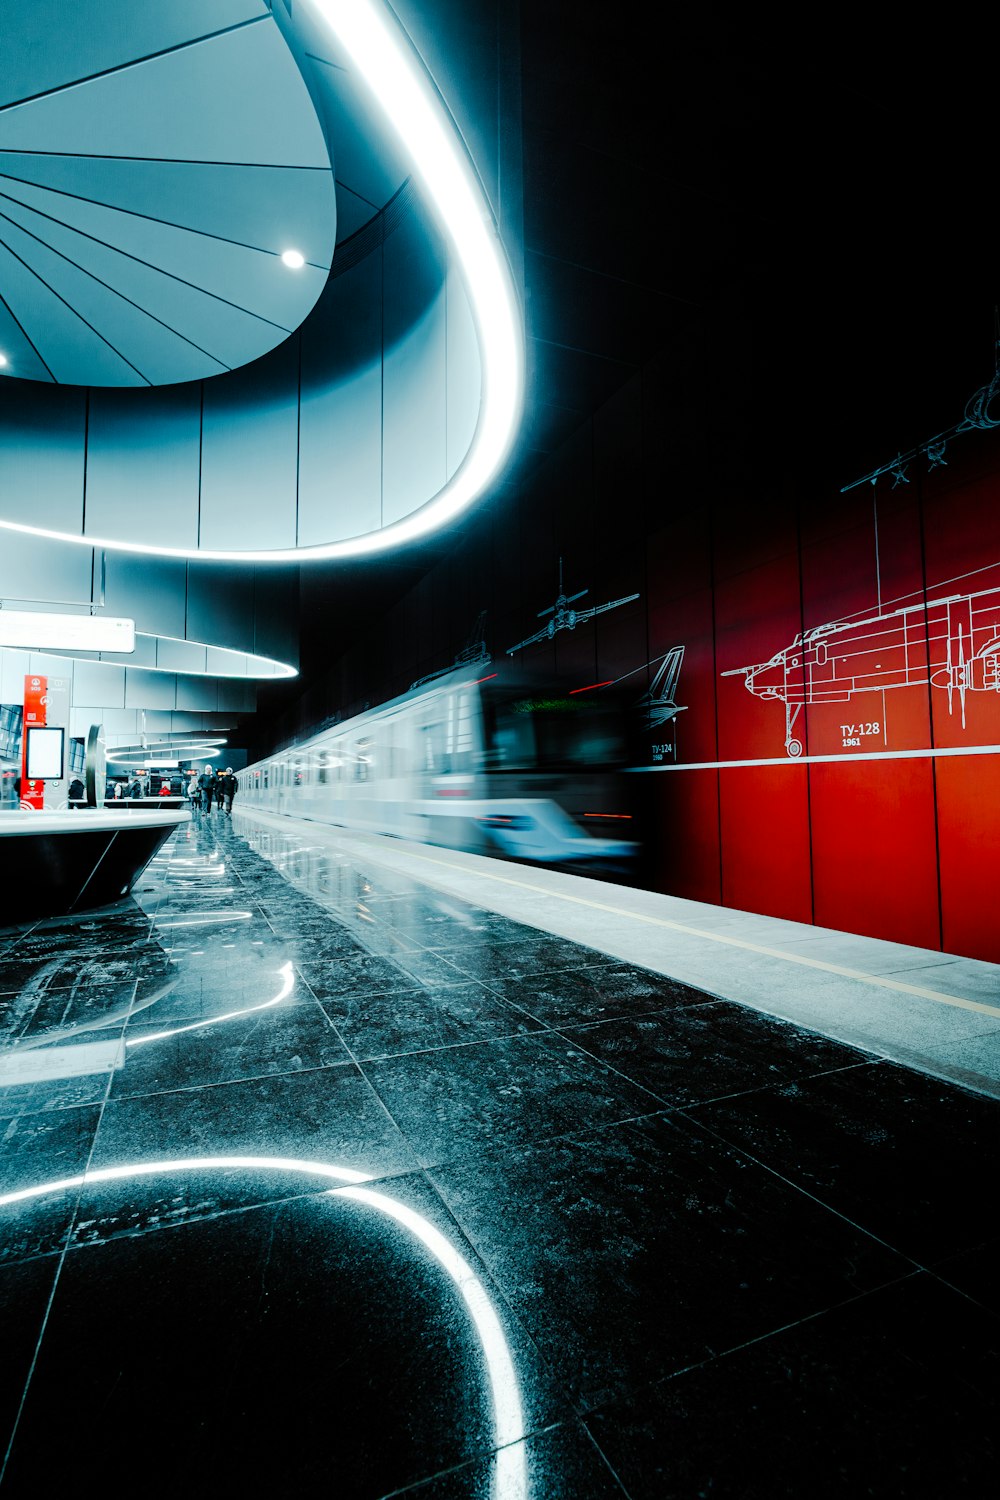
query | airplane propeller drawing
(562,617)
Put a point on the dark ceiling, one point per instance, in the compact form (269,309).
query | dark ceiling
(790,213)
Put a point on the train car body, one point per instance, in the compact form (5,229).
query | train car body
(490,766)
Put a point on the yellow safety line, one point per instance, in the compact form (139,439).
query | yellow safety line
(732,942)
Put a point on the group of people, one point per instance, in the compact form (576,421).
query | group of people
(206,787)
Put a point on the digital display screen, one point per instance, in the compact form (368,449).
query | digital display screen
(45,753)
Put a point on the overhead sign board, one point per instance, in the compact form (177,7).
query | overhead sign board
(41,630)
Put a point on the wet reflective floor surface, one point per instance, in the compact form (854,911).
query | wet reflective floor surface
(315,1181)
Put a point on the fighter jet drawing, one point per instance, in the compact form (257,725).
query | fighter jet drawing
(951,642)
(660,704)
(562,617)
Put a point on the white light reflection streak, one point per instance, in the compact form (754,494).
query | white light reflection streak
(510,1477)
(286,990)
(206,919)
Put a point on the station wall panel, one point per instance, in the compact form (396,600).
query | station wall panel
(765,840)
(827,748)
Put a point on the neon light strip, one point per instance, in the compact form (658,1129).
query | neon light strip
(257,668)
(366,32)
(510,1476)
(819,760)
(590,687)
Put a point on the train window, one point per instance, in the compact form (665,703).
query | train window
(447,735)
(364,759)
(550,732)
(432,742)
(328,767)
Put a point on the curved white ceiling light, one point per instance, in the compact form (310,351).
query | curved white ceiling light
(162,756)
(510,1475)
(371,38)
(183,658)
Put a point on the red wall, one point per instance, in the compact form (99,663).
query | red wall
(887,836)
(861,831)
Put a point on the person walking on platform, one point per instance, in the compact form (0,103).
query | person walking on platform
(193,791)
(206,782)
(228,787)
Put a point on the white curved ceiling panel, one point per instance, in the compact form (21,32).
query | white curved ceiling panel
(150,180)
(156,353)
(44,50)
(15,344)
(36,305)
(241,275)
(237,97)
(219,334)
(259,207)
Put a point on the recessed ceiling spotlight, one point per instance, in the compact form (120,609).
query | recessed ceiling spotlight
(3,361)
(294,259)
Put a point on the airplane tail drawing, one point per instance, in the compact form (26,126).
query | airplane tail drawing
(660,703)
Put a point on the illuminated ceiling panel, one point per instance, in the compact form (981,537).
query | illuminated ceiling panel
(153,169)
(368,84)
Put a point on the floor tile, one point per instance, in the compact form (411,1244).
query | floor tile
(25,1290)
(284,1038)
(561,1463)
(328,1115)
(709,1051)
(35,1149)
(893,1395)
(368,974)
(903,1155)
(492,961)
(423,1019)
(461,1099)
(974,1273)
(595,992)
(632,1252)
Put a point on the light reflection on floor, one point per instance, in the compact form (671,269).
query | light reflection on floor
(591,1225)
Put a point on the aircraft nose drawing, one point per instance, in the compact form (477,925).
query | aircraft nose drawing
(951,642)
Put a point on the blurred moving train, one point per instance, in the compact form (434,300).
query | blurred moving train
(494,766)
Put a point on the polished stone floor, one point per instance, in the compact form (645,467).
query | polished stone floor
(315,1180)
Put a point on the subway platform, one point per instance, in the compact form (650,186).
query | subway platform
(337,1165)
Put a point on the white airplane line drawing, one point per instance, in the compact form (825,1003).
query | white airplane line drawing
(562,617)
(472,654)
(660,704)
(951,642)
